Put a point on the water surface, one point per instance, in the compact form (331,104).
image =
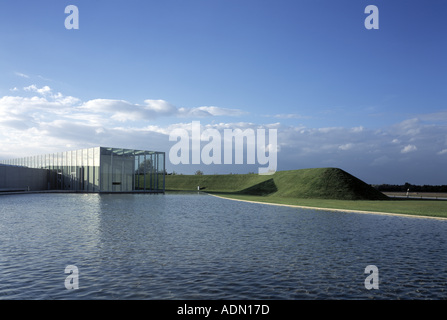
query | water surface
(195,246)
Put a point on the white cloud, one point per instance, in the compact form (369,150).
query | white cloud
(346,146)
(106,105)
(358,129)
(437,116)
(329,129)
(43,120)
(122,110)
(119,110)
(409,148)
(43,91)
(22,75)
(410,127)
(160,107)
(35,106)
(289,116)
(209,111)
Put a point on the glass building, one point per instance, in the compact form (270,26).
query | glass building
(100,169)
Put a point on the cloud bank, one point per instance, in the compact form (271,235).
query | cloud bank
(38,120)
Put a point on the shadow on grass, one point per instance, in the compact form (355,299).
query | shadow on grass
(264,188)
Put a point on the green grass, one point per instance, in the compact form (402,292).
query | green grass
(319,183)
(210,183)
(434,208)
(330,188)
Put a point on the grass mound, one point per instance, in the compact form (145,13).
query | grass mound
(319,183)
(324,183)
(261,189)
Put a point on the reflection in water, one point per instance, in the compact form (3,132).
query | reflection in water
(193,246)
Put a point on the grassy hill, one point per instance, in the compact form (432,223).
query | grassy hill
(320,183)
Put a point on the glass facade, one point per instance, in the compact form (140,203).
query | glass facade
(101,169)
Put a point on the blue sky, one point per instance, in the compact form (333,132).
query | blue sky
(372,102)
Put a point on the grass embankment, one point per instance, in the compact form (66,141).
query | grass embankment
(329,188)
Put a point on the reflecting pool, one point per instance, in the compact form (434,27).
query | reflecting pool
(195,246)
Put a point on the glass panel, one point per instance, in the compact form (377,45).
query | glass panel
(73,170)
(106,170)
(96,163)
(79,173)
(100,169)
(84,170)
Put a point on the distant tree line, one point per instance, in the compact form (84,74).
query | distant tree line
(173,173)
(412,187)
